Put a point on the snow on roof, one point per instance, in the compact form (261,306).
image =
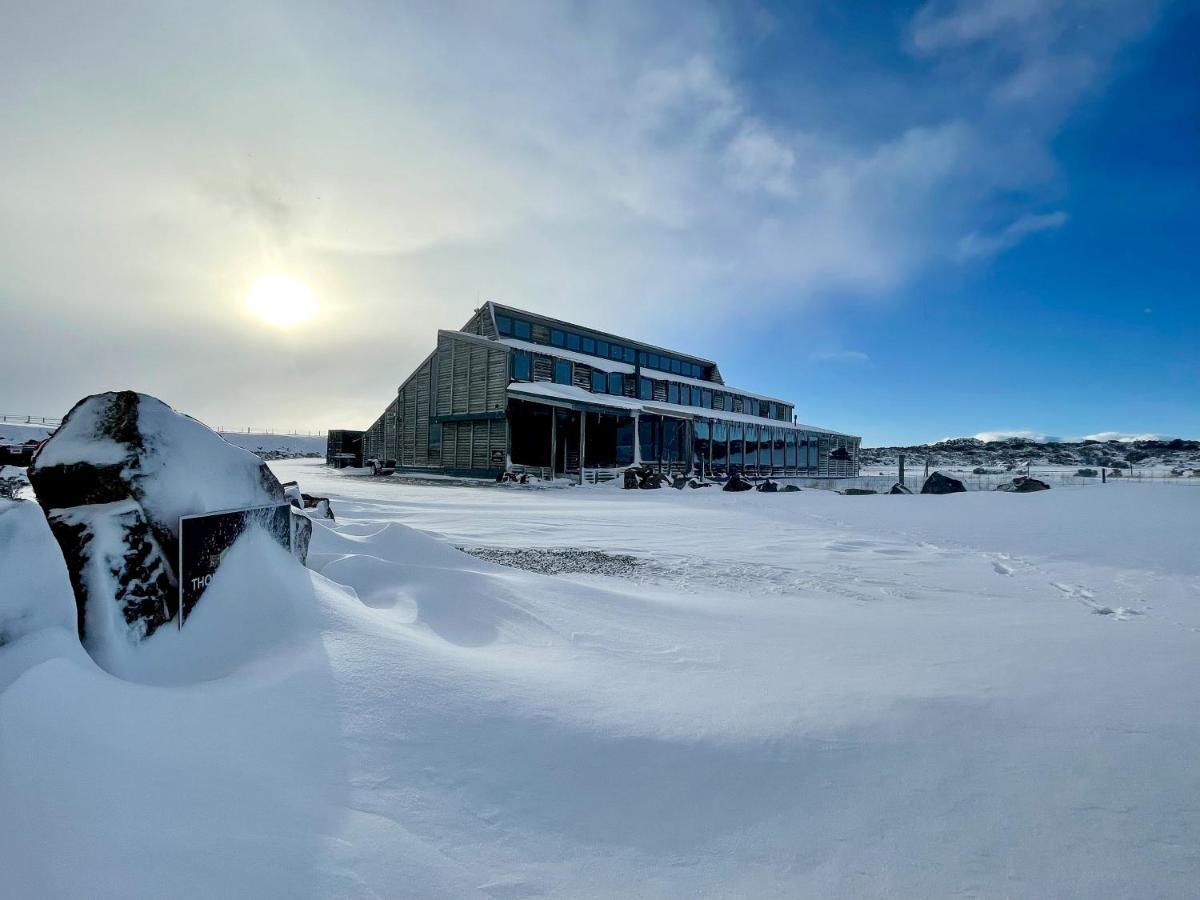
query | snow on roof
(545,390)
(596,362)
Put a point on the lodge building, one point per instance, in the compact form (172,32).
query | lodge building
(517,391)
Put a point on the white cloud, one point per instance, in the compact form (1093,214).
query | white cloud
(1127,437)
(1035,436)
(976,245)
(603,162)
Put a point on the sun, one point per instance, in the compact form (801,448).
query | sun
(281,300)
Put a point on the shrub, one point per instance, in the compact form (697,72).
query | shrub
(1086,473)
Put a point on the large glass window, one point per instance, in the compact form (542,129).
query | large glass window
(648,437)
(777,448)
(562,371)
(599,383)
(629,355)
(521,329)
(602,348)
(558,338)
(736,447)
(751,445)
(589,345)
(754,406)
(720,434)
(676,366)
(706,399)
(520,366)
(615,351)
(645,389)
(672,393)
(572,341)
(614,383)
(504,324)
(652,360)
(695,396)
(641,357)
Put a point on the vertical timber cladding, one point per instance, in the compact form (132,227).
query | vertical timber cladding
(414,416)
(472,383)
(391,437)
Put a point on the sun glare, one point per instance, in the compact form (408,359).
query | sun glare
(281,300)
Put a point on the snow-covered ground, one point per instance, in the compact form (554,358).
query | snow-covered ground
(765,695)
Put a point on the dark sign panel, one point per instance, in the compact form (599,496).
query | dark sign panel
(204,540)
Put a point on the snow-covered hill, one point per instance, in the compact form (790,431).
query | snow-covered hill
(277,446)
(965,453)
(770,695)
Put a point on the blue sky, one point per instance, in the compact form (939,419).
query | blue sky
(917,220)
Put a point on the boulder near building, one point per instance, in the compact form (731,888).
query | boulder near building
(517,391)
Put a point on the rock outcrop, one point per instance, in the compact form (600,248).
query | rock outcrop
(937,483)
(1023,485)
(113,481)
(737,483)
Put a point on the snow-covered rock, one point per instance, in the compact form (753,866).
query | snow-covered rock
(937,483)
(114,480)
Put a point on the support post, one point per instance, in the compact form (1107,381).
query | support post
(637,440)
(553,439)
(582,442)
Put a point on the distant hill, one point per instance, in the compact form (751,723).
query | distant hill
(1015,452)
(277,446)
(266,446)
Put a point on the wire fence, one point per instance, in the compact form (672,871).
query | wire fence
(55,421)
(989,481)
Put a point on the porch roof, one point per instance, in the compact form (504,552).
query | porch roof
(569,395)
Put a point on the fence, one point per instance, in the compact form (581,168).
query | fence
(1055,477)
(55,421)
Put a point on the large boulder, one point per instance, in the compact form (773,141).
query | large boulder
(113,480)
(769,487)
(937,483)
(899,488)
(1023,485)
(737,483)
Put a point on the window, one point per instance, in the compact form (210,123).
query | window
(676,366)
(572,342)
(599,383)
(602,348)
(435,435)
(629,355)
(589,346)
(520,365)
(706,399)
(558,338)
(642,358)
(616,352)
(672,393)
(521,329)
(652,360)
(614,383)
(772,411)
(645,389)
(697,371)
(695,396)
(562,371)
(504,324)
(754,407)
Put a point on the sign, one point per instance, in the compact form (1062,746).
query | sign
(204,540)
